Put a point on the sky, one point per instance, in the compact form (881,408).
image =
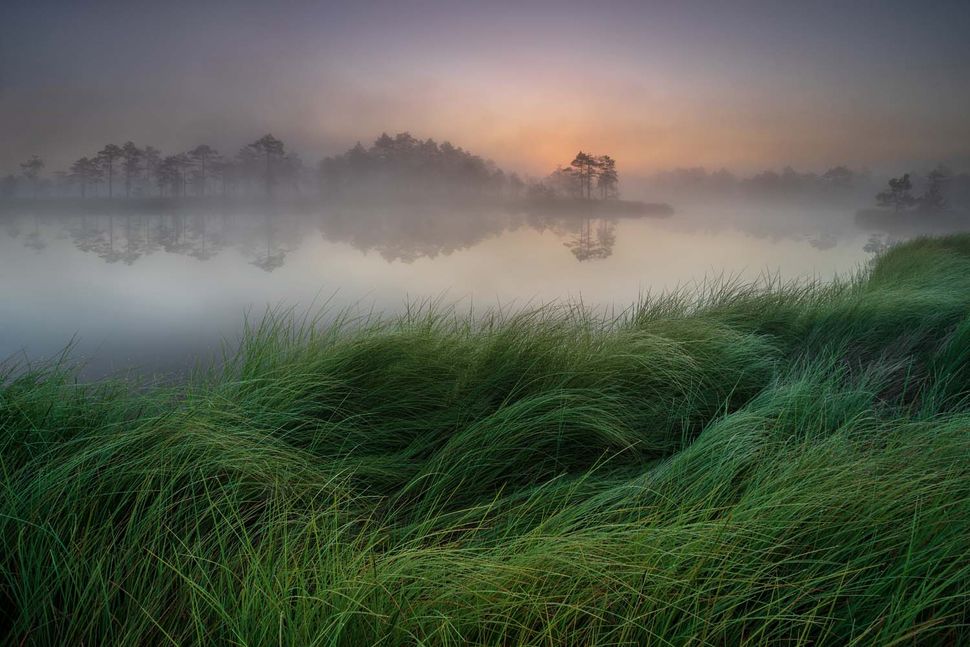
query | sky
(742,85)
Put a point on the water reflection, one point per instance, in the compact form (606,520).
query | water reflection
(191,276)
(402,233)
(399,234)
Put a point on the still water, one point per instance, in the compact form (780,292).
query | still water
(157,292)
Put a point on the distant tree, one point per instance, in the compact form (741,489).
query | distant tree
(383,148)
(202,155)
(225,171)
(132,156)
(561,182)
(586,168)
(933,198)
(292,170)
(899,196)
(406,164)
(84,173)
(184,164)
(166,176)
(171,173)
(838,177)
(516,185)
(330,175)
(607,179)
(152,158)
(272,150)
(31,169)
(107,157)
(540,191)
(62,183)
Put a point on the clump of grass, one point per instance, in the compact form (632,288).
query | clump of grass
(768,464)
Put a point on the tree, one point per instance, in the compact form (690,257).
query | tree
(933,199)
(225,171)
(62,183)
(32,169)
(152,158)
(899,195)
(132,161)
(608,177)
(292,170)
(839,177)
(171,173)
(107,157)
(587,168)
(84,172)
(404,163)
(202,155)
(272,150)
(566,181)
(516,185)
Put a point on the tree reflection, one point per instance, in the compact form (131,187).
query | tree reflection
(265,238)
(34,240)
(595,239)
(411,232)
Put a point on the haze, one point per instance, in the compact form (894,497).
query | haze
(751,85)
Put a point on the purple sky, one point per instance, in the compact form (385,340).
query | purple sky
(745,85)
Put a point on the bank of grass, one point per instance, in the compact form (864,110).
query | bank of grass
(736,465)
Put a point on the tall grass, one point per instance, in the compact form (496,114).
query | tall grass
(773,464)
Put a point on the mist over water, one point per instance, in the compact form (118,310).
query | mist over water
(168,171)
(157,292)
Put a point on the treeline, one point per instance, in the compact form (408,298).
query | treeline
(129,170)
(836,183)
(398,165)
(938,191)
(404,164)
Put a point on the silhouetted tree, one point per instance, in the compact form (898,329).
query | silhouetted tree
(31,169)
(405,164)
(562,181)
(85,172)
(152,158)
(272,150)
(132,163)
(933,198)
(292,170)
(607,179)
(224,170)
(586,168)
(107,157)
(202,155)
(899,195)
(516,185)
(171,173)
(62,183)
(839,177)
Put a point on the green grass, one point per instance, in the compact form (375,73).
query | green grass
(744,464)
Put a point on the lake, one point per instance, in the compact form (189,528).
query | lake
(155,292)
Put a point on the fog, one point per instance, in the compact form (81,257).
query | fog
(660,85)
(167,169)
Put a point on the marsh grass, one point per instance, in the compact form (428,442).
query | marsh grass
(738,464)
